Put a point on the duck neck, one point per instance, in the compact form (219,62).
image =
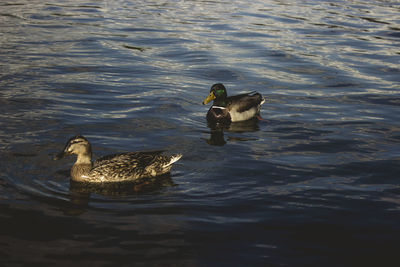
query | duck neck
(220,102)
(81,168)
(85,158)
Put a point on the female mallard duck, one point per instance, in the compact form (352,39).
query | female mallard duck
(122,167)
(233,108)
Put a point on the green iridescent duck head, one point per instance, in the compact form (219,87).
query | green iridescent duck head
(218,94)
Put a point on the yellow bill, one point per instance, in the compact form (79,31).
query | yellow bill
(210,97)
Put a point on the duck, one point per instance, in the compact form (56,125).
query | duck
(122,167)
(226,109)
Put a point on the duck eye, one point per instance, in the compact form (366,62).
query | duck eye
(76,142)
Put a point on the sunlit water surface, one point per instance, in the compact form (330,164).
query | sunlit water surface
(315,183)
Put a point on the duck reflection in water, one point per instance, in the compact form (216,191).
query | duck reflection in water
(80,193)
(147,185)
(217,131)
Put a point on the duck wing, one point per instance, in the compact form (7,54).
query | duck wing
(131,158)
(244,102)
(126,166)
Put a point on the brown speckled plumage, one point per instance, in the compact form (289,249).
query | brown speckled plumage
(121,167)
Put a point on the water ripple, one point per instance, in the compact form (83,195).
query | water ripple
(131,75)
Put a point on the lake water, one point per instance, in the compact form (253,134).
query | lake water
(314,183)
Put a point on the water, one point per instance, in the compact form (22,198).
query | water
(315,183)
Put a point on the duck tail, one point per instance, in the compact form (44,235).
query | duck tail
(262,99)
(173,159)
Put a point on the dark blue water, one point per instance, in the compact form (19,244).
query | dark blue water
(315,183)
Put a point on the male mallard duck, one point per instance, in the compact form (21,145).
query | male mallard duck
(122,167)
(233,108)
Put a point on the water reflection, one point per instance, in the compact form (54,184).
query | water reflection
(130,75)
(216,137)
(146,185)
(80,193)
(217,131)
